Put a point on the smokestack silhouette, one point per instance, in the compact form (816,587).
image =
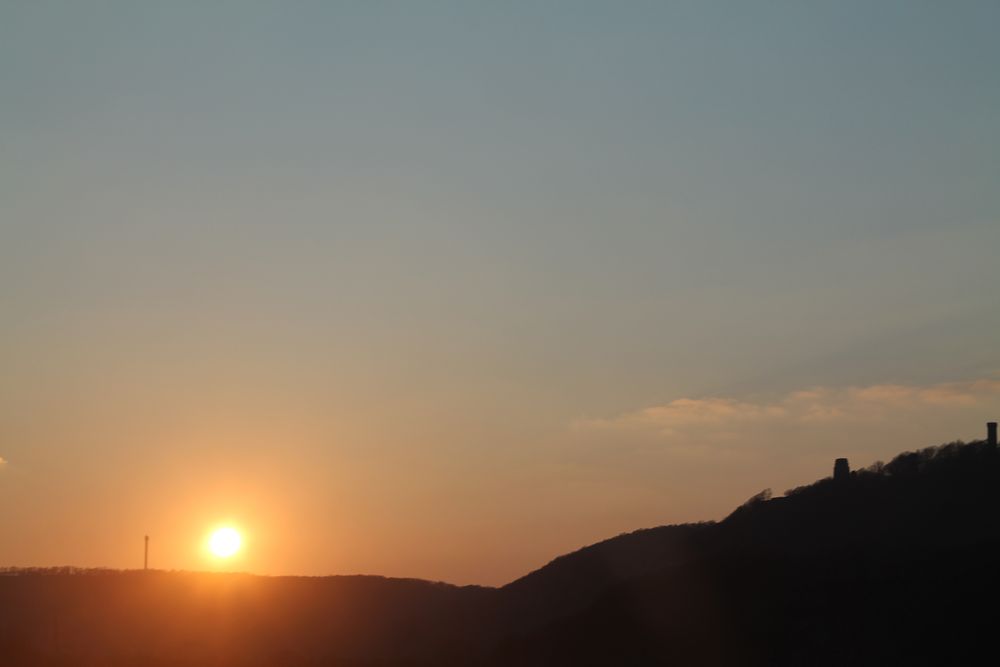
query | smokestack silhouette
(841,470)
(991,433)
(145,555)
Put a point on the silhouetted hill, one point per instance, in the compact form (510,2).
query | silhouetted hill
(179,618)
(891,565)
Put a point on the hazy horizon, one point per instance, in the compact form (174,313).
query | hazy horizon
(444,291)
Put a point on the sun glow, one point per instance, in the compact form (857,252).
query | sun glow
(224,542)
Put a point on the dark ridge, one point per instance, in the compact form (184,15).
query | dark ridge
(888,566)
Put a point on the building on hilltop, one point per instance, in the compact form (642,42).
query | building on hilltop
(841,470)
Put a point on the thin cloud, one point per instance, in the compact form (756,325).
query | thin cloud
(813,406)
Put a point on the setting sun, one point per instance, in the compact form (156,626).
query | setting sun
(224,542)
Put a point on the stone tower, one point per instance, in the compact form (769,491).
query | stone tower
(841,470)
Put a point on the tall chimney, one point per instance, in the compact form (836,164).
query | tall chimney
(991,433)
(145,555)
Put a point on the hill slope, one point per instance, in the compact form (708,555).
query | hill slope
(888,566)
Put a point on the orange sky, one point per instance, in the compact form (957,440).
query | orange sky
(317,497)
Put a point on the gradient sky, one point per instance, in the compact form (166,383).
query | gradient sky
(447,289)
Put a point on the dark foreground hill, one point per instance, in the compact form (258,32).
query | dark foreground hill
(896,564)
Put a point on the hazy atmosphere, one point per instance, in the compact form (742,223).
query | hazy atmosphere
(447,289)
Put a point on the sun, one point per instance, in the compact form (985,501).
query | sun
(224,542)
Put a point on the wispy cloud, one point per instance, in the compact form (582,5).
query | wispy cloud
(813,406)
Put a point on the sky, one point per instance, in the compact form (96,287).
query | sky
(447,289)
